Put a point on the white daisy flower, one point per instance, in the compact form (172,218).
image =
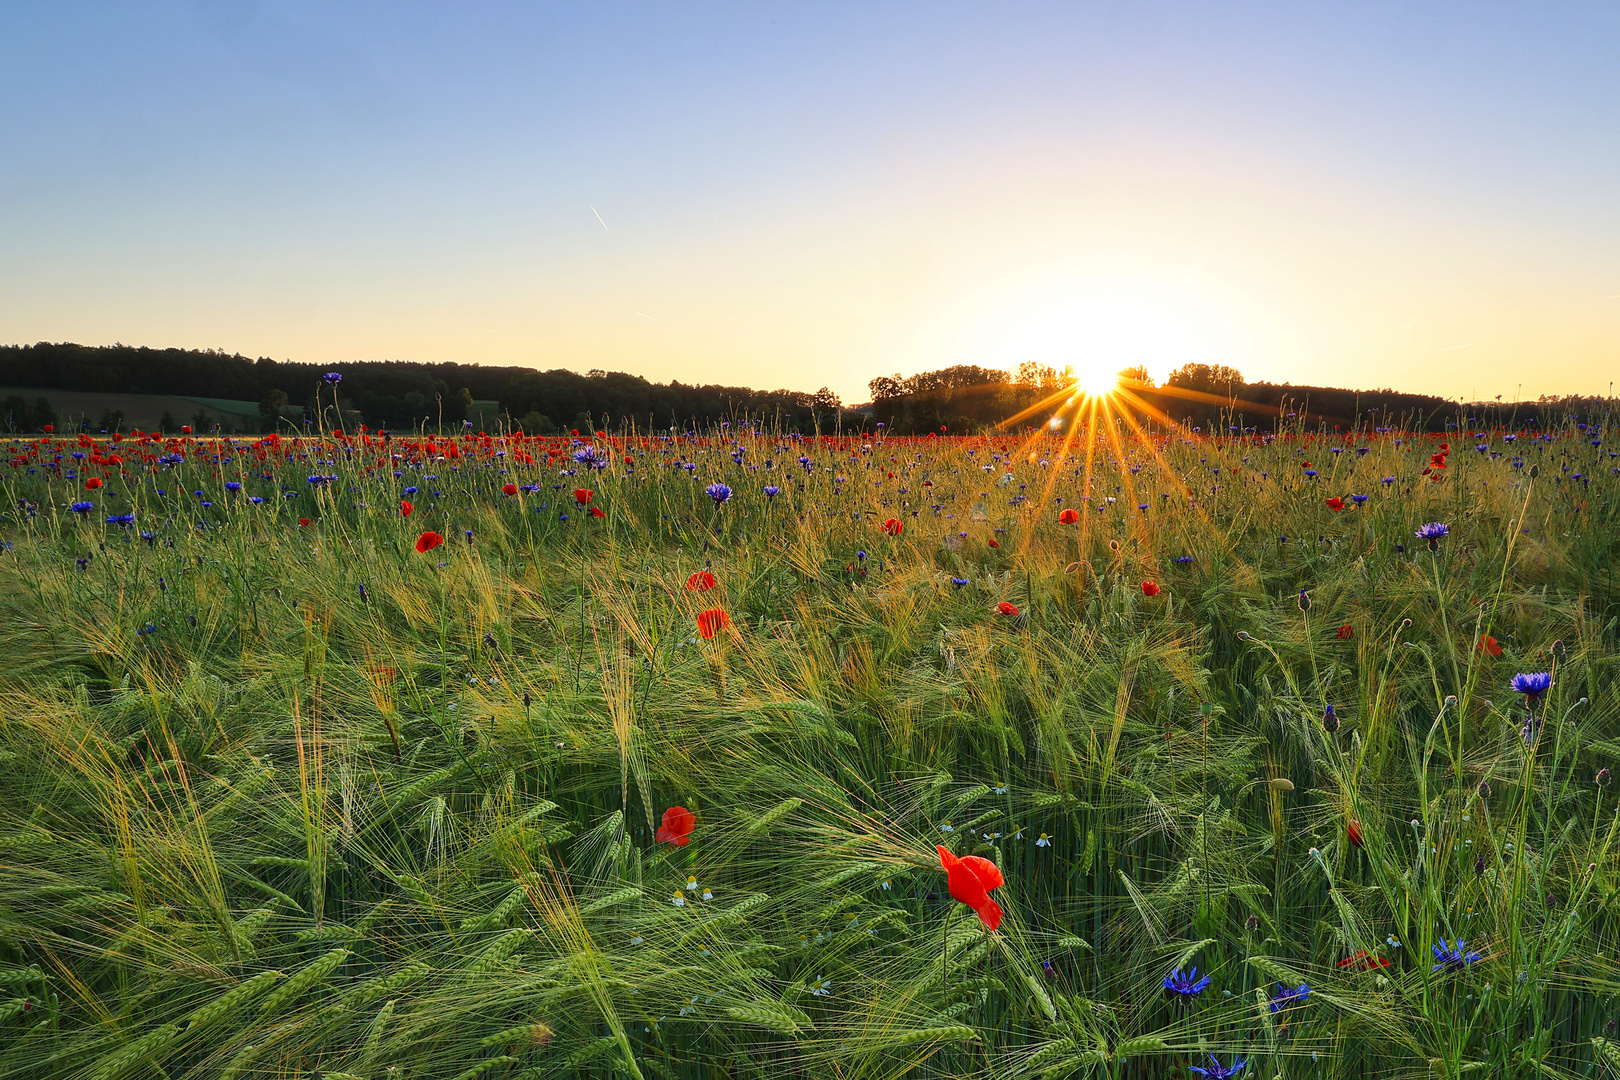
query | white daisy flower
(947,827)
(678,900)
(1043,841)
(821,987)
(691,884)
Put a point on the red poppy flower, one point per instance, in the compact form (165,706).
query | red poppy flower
(427,542)
(1488,645)
(893,526)
(993,543)
(677,827)
(508,489)
(1006,608)
(405,508)
(702,581)
(1346,633)
(597,511)
(1150,588)
(49,428)
(92,483)
(1335,503)
(713,621)
(1353,830)
(1069,517)
(185,429)
(583,495)
(970,881)
(1362,960)
(303,522)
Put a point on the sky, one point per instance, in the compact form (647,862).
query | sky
(1416,196)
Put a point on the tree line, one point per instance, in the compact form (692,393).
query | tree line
(403,395)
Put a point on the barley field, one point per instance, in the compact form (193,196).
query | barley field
(633,755)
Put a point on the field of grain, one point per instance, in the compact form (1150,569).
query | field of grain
(348,758)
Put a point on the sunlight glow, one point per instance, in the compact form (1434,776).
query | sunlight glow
(1098,332)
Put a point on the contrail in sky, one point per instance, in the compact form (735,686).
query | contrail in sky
(1454,348)
(649,317)
(598,215)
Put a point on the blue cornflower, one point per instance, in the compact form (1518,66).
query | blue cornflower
(332,378)
(1216,1071)
(233,485)
(1433,531)
(588,456)
(1185,985)
(718,492)
(1184,559)
(771,491)
(256,500)
(317,478)
(1452,959)
(1286,997)
(1311,472)
(959,581)
(82,507)
(1533,684)
(411,490)
(1358,498)
(120,519)
(1389,480)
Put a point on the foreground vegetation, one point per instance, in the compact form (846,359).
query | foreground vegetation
(289,791)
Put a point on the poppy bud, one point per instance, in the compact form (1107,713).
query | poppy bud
(1558,650)
(1330,721)
(1602,778)
(1353,830)
(1252,923)
(1304,601)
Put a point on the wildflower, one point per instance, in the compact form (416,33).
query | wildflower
(1532,685)
(959,581)
(886,886)
(701,581)
(947,827)
(1068,517)
(992,543)
(821,987)
(718,492)
(427,542)
(708,894)
(405,508)
(303,523)
(1330,720)
(332,378)
(1006,608)
(1216,1071)
(1448,958)
(1304,601)
(1488,645)
(971,880)
(1353,831)
(1150,588)
(678,823)
(894,526)
(1286,997)
(1362,960)
(82,507)
(1043,841)
(713,621)
(1433,531)
(583,495)
(771,491)
(1602,778)
(598,512)
(120,519)
(1185,986)
(509,489)
(1345,632)
(1184,560)
(1358,498)
(1479,866)
(95,482)
(691,883)
(1335,503)
(678,900)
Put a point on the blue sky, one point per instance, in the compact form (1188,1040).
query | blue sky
(1362,195)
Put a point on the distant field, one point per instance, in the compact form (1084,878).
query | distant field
(140,410)
(144,411)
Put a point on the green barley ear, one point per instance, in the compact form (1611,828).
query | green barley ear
(304,981)
(145,1051)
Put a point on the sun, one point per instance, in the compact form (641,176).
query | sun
(1095,331)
